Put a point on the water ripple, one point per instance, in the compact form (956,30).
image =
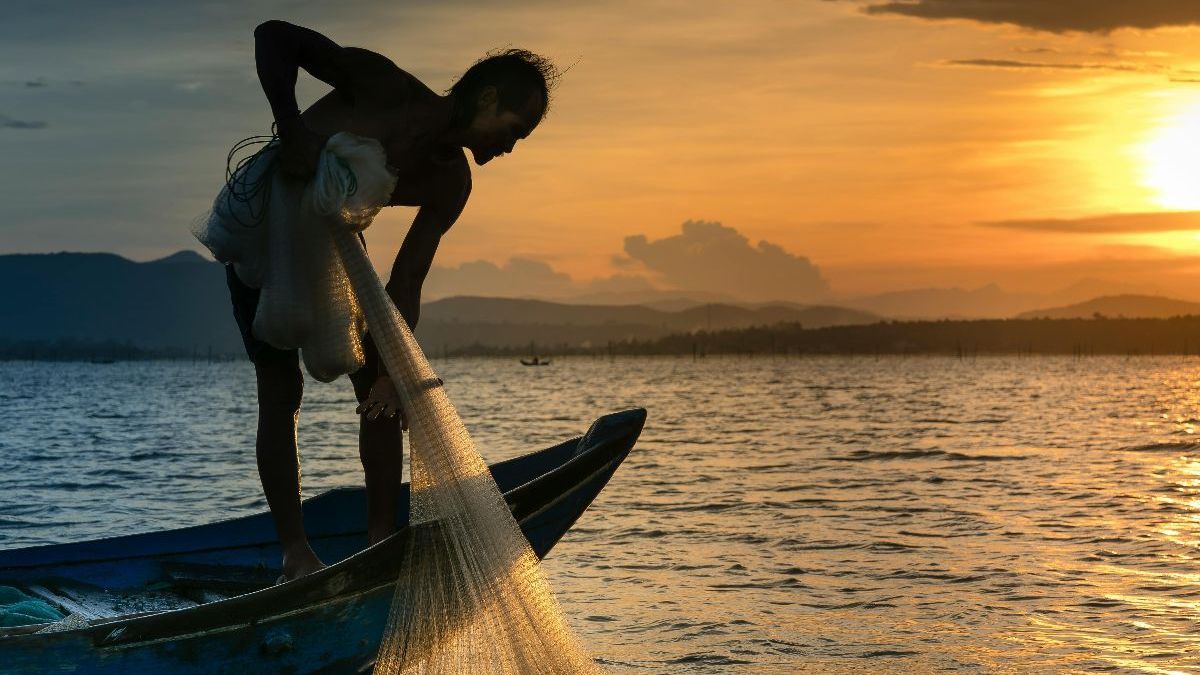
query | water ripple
(779,515)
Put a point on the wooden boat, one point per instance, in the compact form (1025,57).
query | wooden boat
(200,599)
(535,361)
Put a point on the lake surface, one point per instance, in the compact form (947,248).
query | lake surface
(805,514)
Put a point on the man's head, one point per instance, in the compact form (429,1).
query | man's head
(500,100)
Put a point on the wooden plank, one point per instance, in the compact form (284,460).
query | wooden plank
(85,607)
(225,580)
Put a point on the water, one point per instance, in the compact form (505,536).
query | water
(824,515)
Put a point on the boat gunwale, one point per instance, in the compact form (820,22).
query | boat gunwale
(227,521)
(308,592)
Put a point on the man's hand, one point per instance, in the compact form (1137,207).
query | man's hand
(383,401)
(299,148)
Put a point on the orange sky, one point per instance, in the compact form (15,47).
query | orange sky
(847,138)
(891,151)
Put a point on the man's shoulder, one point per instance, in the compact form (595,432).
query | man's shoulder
(387,83)
(452,177)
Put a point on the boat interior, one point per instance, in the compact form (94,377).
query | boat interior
(134,575)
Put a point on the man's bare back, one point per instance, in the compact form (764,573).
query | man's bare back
(408,124)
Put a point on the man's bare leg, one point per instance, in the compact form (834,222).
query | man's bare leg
(380,447)
(280,386)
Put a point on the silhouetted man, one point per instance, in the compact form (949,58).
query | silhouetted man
(496,103)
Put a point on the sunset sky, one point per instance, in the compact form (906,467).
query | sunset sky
(844,147)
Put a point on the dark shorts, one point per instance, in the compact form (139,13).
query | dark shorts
(245,304)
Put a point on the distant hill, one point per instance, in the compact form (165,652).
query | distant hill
(177,303)
(658,299)
(455,323)
(1118,306)
(986,302)
(181,304)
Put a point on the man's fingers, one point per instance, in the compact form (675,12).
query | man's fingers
(373,410)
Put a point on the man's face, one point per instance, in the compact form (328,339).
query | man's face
(494,132)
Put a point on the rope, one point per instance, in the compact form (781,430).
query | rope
(239,188)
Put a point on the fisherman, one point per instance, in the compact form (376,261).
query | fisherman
(495,104)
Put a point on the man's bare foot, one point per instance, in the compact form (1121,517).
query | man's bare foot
(299,562)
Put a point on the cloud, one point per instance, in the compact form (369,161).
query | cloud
(1010,64)
(7,122)
(1054,16)
(1119,67)
(713,258)
(1100,271)
(1035,50)
(706,260)
(519,277)
(617,283)
(1115,223)
(525,278)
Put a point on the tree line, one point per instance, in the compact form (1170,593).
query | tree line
(1080,337)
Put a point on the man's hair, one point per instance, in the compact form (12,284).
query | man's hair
(516,74)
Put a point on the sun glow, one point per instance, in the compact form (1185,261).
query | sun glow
(1171,159)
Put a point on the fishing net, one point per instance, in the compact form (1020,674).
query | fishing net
(472,599)
(275,231)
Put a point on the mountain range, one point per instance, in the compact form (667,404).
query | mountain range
(181,304)
(1119,306)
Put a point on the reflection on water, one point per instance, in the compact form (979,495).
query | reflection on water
(831,514)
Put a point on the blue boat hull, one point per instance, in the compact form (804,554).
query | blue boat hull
(330,621)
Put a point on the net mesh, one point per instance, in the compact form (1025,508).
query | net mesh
(472,599)
(275,231)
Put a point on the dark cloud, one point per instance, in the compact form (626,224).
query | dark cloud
(1120,67)
(714,258)
(7,122)
(1055,16)
(1038,65)
(1115,223)
(36,83)
(41,82)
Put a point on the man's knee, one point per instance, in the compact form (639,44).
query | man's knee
(380,439)
(280,382)
(364,378)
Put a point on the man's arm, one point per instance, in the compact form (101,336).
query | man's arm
(416,253)
(281,49)
(408,274)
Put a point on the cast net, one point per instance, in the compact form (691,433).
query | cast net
(472,599)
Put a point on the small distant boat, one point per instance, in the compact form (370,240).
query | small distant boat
(201,599)
(535,361)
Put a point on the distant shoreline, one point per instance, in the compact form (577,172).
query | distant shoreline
(961,338)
